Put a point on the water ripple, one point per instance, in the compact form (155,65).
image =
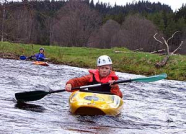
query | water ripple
(155,108)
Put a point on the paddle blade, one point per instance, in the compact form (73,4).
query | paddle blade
(22,57)
(30,96)
(151,78)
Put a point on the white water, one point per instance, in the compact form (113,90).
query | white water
(156,107)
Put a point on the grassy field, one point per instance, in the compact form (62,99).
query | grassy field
(123,59)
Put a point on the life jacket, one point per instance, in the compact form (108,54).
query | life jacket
(40,57)
(95,79)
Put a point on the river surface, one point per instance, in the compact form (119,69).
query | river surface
(149,108)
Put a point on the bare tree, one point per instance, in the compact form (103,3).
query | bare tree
(3,19)
(74,24)
(165,42)
(103,37)
(117,39)
(24,24)
(19,23)
(138,33)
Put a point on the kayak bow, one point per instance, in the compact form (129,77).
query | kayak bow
(86,103)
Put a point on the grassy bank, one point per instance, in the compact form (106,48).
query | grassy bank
(124,60)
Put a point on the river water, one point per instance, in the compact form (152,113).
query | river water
(150,108)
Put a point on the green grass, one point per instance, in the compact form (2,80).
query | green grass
(123,61)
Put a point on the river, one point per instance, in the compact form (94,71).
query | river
(149,108)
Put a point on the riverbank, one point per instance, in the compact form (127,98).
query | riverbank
(124,60)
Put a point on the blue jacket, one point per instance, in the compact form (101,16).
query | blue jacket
(40,57)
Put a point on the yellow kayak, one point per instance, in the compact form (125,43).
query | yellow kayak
(40,63)
(86,103)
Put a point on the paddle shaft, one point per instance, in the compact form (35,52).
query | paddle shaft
(88,86)
(143,79)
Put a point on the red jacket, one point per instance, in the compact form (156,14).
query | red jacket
(85,80)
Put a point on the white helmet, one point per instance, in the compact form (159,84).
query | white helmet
(104,60)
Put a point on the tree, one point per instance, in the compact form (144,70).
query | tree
(74,24)
(138,33)
(20,24)
(92,4)
(3,19)
(103,37)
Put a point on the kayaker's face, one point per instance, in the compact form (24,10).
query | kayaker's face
(104,71)
(41,51)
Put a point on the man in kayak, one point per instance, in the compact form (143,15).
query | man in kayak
(103,74)
(39,56)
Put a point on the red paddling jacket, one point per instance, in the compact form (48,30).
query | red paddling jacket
(94,78)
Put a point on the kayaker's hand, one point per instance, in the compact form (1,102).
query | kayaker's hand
(68,87)
(111,82)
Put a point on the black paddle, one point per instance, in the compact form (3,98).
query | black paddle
(37,95)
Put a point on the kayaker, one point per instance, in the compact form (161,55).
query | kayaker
(39,56)
(103,74)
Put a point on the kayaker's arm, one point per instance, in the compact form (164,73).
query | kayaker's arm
(78,82)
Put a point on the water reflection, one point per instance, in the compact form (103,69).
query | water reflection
(30,107)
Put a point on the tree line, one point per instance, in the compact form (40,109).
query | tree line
(82,23)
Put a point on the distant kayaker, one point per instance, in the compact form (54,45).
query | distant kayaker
(103,74)
(39,56)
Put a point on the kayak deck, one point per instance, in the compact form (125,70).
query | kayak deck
(86,103)
(40,63)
